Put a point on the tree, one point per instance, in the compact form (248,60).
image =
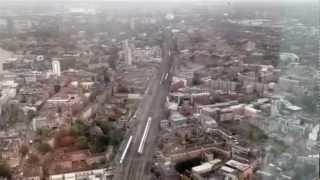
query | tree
(57,88)
(307,171)
(116,137)
(309,103)
(97,145)
(104,125)
(197,38)
(33,159)
(43,132)
(106,75)
(257,135)
(113,62)
(123,89)
(43,148)
(31,114)
(23,99)
(24,149)
(82,142)
(196,80)
(79,128)
(66,141)
(5,171)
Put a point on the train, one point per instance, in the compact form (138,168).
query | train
(144,136)
(125,150)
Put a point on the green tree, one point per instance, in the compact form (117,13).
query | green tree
(31,115)
(82,142)
(33,159)
(104,125)
(257,135)
(24,149)
(78,128)
(196,80)
(97,145)
(116,137)
(309,103)
(43,148)
(5,171)
(57,88)
(113,62)
(43,132)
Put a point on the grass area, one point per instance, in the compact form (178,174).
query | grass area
(278,147)
(256,135)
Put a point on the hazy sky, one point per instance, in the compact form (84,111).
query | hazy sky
(171,0)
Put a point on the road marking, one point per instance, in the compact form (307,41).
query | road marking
(135,138)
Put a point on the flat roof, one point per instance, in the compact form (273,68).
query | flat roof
(238,165)
(215,161)
(227,169)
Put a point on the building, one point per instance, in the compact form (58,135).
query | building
(164,124)
(205,167)
(178,119)
(1,67)
(94,174)
(43,122)
(207,121)
(22,25)
(127,52)
(56,68)
(234,170)
(250,46)
(33,172)
(3,24)
(218,84)
(313,136)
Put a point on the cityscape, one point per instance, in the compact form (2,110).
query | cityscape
(155,90)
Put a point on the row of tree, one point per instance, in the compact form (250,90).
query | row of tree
(96,136)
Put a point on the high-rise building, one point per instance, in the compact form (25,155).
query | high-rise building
(317,80)
(127,52)
(132,24)
(56,69)
(1,67)
(3,24)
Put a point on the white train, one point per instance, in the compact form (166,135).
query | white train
(166,77)
(144,136)
(125,150)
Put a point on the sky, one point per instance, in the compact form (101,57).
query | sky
(170,0)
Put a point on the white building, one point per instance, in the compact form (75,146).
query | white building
(250,46)
(3,24)
(313,136)
(127,52)
(56,69)
(7,91)
(177,119)
(95,174)
(1,67)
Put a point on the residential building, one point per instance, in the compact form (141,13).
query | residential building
(56,69)
(94,174)
(178,119)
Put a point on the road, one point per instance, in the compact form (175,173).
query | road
(136,166)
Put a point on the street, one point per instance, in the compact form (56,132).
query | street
(135,166)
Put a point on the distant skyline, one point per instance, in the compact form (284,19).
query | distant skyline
(232,1)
